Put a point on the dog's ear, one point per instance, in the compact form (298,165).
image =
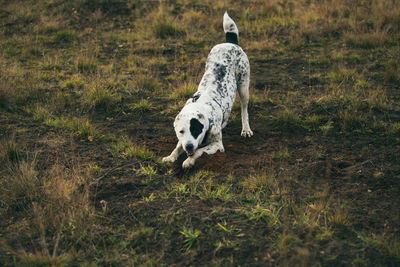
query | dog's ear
(196,127)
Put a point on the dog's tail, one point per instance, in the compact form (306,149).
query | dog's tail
(230,29)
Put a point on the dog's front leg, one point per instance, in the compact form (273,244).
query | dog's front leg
(211,148)
(174,154)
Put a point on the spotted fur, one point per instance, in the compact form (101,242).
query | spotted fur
(199,124)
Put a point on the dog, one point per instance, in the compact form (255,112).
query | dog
(199,125)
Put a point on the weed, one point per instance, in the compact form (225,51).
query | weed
(149,171)
(339,218)
(180,189)
(190,236)
(224,227)
(269,214)
(150,198)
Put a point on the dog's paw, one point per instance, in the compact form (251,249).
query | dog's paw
(188,163)
(169,159)
(247,133)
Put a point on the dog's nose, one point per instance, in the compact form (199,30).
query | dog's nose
(189,147)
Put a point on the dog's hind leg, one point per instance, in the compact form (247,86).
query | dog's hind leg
(243,89)
(174,154)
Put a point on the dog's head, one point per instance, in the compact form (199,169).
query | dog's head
(190,130)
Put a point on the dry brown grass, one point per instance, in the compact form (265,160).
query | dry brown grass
(57,207)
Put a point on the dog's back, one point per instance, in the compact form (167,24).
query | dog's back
(226,67)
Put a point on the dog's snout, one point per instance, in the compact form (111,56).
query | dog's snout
(189,147)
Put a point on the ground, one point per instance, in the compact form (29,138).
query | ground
(88,94)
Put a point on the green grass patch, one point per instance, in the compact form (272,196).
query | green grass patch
(101,98)
(288,120)
(128,149)
(142,107)
(147,85)
(79,126)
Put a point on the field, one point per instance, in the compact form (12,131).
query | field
(88,94)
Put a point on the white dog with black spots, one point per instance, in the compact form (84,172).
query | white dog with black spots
(199,124)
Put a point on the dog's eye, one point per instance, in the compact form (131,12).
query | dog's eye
(181,131)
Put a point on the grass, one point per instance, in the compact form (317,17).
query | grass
(10,150)
(143,106)
(65,37)
(184,91)
(125,148)
(163,30)
(190,236)
(88,94)
(24,190)
(79,126)
(101,98)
